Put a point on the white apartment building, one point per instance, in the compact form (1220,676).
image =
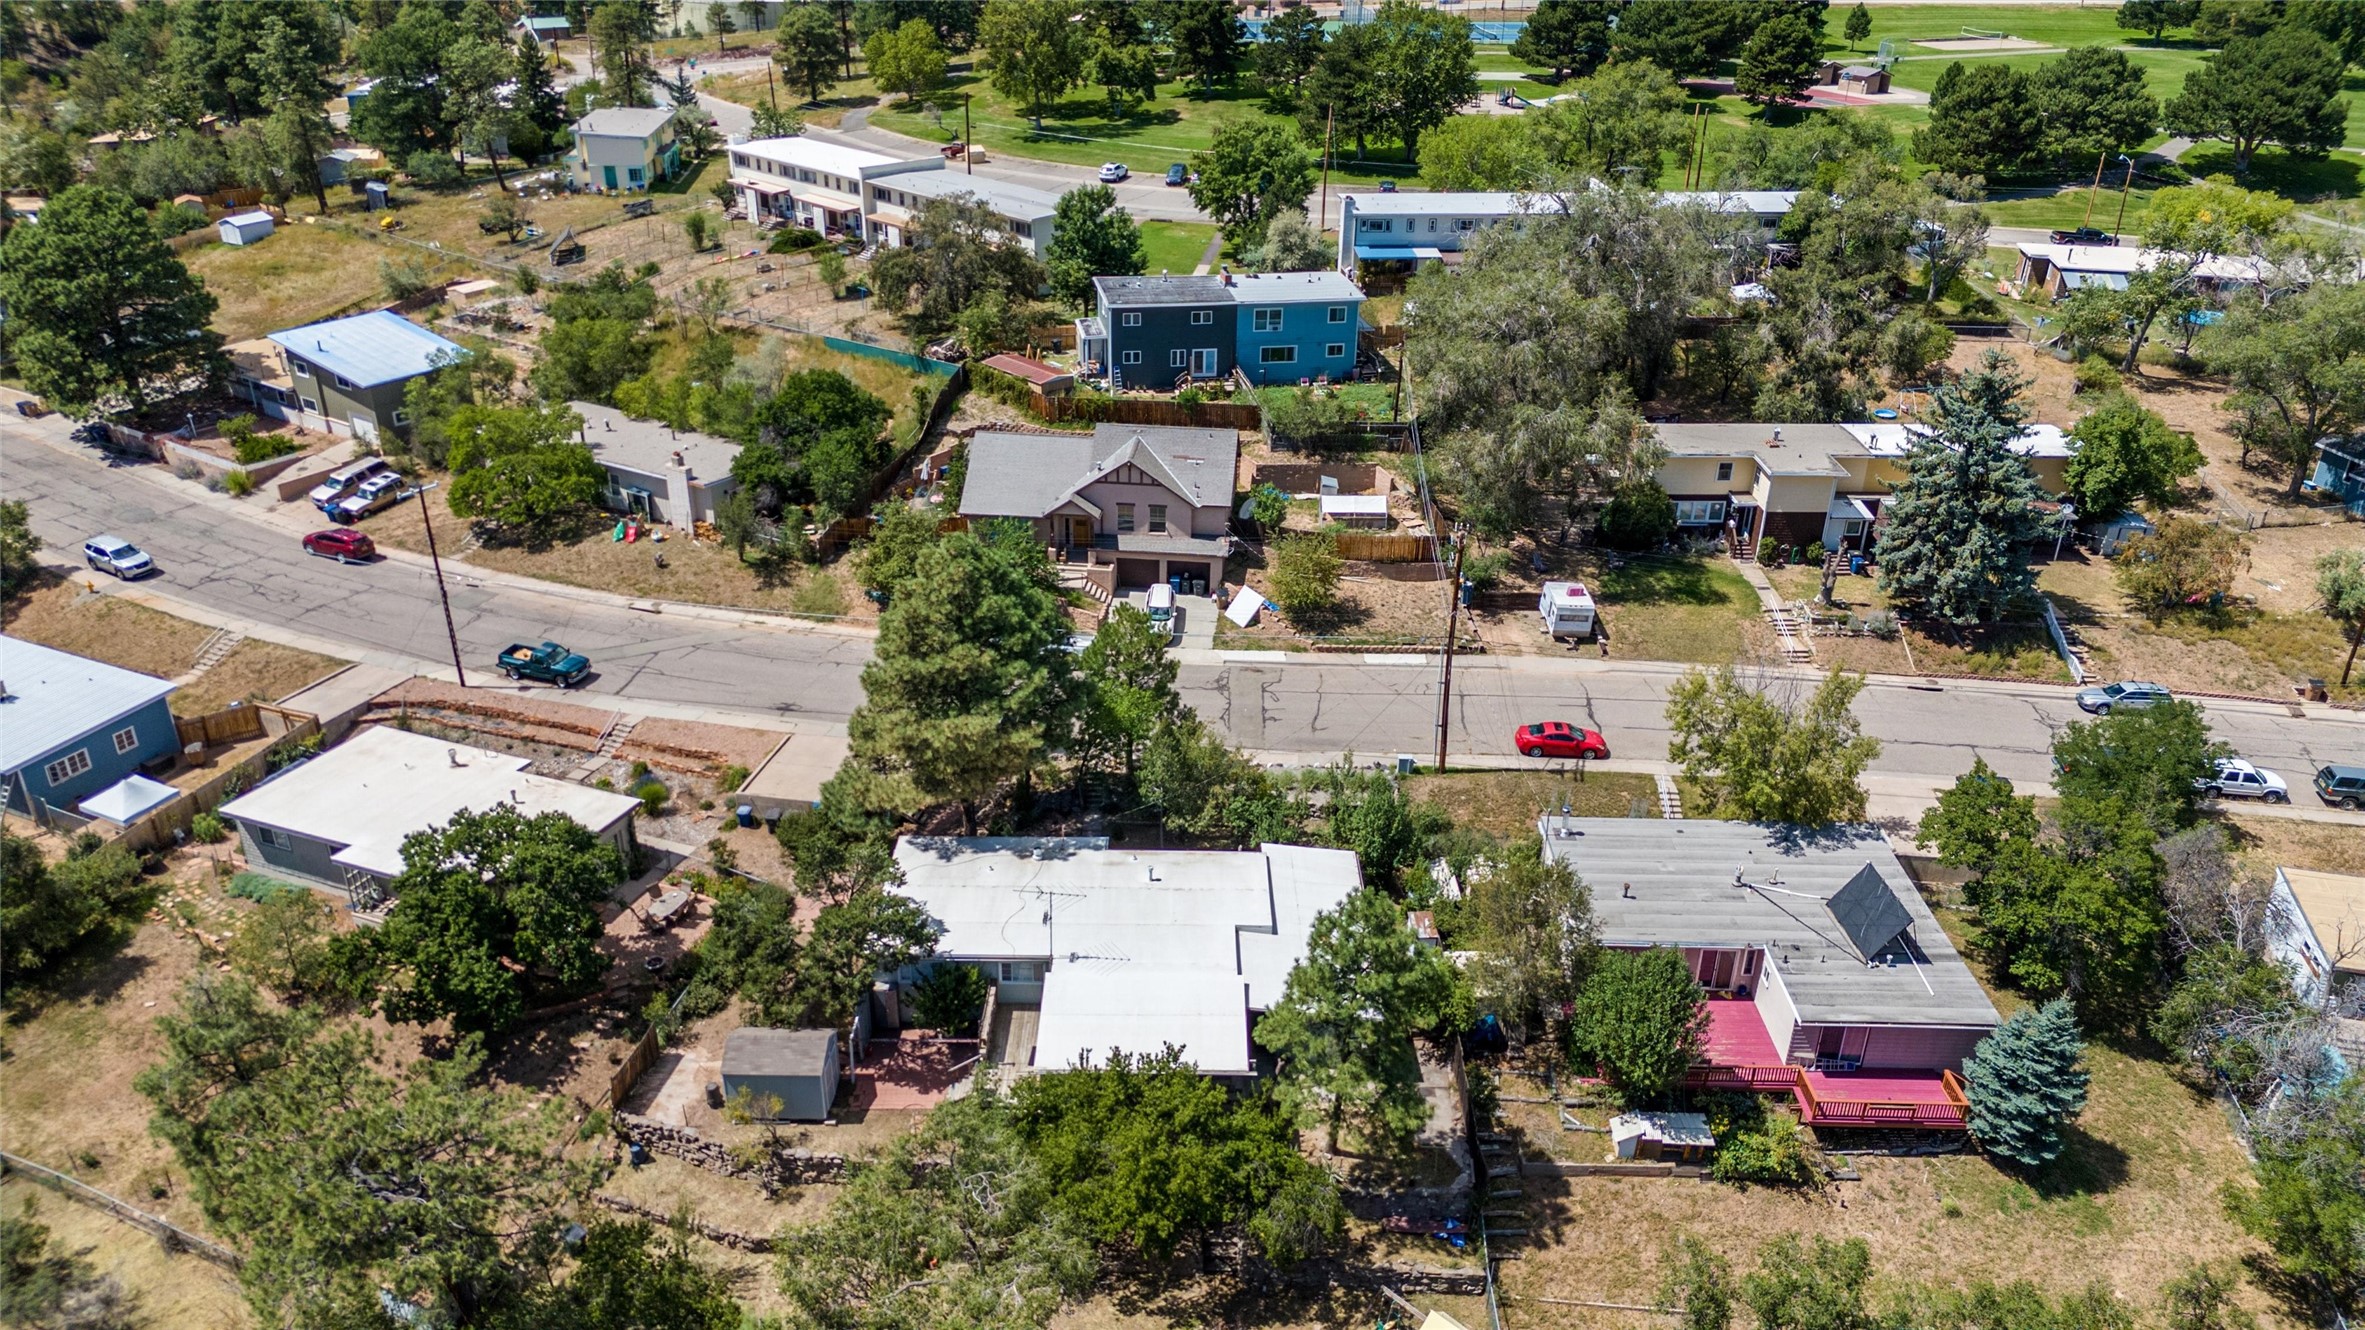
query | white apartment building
(870,196)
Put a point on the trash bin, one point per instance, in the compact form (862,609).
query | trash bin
(1855,565)
(2316,691)
(746,815)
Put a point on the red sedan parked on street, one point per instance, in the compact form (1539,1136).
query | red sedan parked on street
(1558,738)
(342,543)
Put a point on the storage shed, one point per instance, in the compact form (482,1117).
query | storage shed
(799,1067)
(1368,511)
(245,228)
(1677,1137)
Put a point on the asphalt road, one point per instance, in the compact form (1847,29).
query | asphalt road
(241,563)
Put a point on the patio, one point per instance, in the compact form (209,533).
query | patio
(915,1071)
(1740,1055)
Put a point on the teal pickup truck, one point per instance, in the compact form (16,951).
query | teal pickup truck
(547,663)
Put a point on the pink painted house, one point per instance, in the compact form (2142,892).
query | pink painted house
(1828,977)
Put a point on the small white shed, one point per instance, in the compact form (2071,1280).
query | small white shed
(1681,1137)
(1567,609)
(245,228)
(1357,510)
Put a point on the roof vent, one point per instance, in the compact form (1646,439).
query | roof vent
(453,755)
(1626,890)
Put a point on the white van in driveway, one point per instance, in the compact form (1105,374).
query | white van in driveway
(1160,603)
(345,479)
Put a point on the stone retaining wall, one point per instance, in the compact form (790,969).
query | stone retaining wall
(779,1170)
(721,1236)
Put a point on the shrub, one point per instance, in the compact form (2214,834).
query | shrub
(1487,569)
(1816,553)
(796,240)
(1305,573)
(950,999)
(179,219)
(237,484)
(1639,518)
(652,795)
(402,279)
(432,169)
(258,887)
(1269,506)
(1309,420)
(1881,624)
(1191,396)
(1770,1153)
(209,829)
(639,769)
(734,776)
(2095,374)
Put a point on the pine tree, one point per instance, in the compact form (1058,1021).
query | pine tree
(1952,542)
(2025,1081)
(1859,25)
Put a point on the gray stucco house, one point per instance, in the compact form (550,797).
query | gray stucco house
(1155,501)
(345,376)
(655,471)
(72,727)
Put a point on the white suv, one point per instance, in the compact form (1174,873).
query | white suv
(2237,779)
(114,554)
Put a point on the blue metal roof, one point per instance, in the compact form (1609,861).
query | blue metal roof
(55,699)
(548,23)
(369,349)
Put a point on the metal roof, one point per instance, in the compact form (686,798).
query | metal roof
(50,699)
(367,793)
(755,1051)
(624,122)
(369,349)
(1144,947)
(1700,883)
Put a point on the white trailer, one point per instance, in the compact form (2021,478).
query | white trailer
(1567,609)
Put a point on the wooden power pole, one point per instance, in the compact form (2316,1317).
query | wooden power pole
(436,560)
(1453,625)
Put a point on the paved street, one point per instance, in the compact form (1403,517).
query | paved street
(236,564)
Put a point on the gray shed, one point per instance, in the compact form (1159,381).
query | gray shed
(800,1067)
(245,228)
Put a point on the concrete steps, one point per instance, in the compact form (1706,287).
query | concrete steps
(217,648)
(1670,798)
(1791,636)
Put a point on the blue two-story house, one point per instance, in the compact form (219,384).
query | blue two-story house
(71,728)
(1164,332)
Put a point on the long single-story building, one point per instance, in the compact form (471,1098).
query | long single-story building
(1123,949)
(72,729)
(677,477)
(1399,231)
(1828,977)
(338,820)
(2059,270)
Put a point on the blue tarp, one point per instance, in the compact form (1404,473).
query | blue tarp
(1408,254)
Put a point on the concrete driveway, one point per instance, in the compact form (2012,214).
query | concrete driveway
(1194,618)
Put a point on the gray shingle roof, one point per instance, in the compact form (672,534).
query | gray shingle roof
(1029,475)
(1122,291)
(754,1051)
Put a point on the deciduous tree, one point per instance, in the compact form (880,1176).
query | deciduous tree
(1091,236)
(2340,590)
(1427,69)
(1809,1286)
(957,256)
(2297,366)
(1532,927)
(1976,817)
(2306,1205)
(521,468)
(1291,47)
(1292,244)
(1626,115)
(18,545)
(2281,88)
(1768,758)
(2076,912)
(1251,171)
(2185,563)
(1483,152)
(1304,578)
(102,316)
(1343,1028)
(1570,37)
(2149,757)
(2025,1082)
(2154,17)
(1953,541)
(909,60)
(1643,1019)
(1034,53)
(2122,452)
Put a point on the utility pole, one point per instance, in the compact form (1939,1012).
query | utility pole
(427,518)
(770,90)
(1330,120)
(968,151)
(1453,624)
(2095,188)
(2117,227)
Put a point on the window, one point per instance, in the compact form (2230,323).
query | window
(633,174)
(401,417)
(1277,355)
(303,371)
(1129,320)
(1466,224)
(1334,351)
(1699,512)
(1264,320)
(1020,972)
(1201,317)
(126,739)
(1130,358)
(1724,471)
(1432,226)
(1177,358)
(68,767)
(1157,517)
(310,405)
(1124,518)
(344,383)
(1338,313)
(1375,224)
(274,837)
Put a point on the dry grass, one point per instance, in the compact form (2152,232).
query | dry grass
(253,672)
(300,274)
(2014,650)
(2265,842)
(1507,803)
(2259,650)
(62,614)
(171,1290)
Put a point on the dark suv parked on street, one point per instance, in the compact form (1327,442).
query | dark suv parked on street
(2342,786)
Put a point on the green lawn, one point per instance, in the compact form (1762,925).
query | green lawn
(1175,247)
(1675,609)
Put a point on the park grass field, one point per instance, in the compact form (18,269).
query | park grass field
(1174,247)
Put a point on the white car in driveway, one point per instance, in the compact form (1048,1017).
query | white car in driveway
(2238,779)
(1112,172)
(375,493)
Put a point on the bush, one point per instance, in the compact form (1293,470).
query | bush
(2095,374)
(258,887)
(1487,569)
(432,169)
(652,795)
(950,999)
(734,776)
(178,220)
(796,240)
(1269,506)
(238,484)
(1816,553)
(1191,396)
(209,829)
(1305,574)
(639,769)
(1772,1152)
(1307,419)
(402,279)
(1640,518)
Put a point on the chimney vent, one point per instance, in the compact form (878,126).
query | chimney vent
(677,458)
(1626,889)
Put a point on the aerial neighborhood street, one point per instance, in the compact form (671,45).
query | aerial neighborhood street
(1095,664)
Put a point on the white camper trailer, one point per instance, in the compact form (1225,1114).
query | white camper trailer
(1567,608)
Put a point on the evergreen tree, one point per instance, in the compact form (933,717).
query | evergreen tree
(2092,101)
(1091,237)
(1983,121)
(2281,88)
(102,316)
(1859,25)
(1778,62)
(1129,680)
(2154,17)
(1953,542)
(1206,37)
(969,685)
(1343,1028)
(1571,37)
(2025,1081)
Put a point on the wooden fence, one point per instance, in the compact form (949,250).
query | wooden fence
(1148,411)
(233,724)
(156,829)
(174,1237)
(1377,547)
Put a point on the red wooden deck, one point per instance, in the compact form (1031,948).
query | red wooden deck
(1741,1056)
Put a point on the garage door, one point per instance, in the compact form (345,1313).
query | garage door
(1136,572)
(1189,571)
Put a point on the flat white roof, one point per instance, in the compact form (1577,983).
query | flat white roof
(1896,438)
(1506,203)
(2121,260)
(1355,505)
(367,793)
(814,155)
(1010,200)
(1143,947)
(648,446)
